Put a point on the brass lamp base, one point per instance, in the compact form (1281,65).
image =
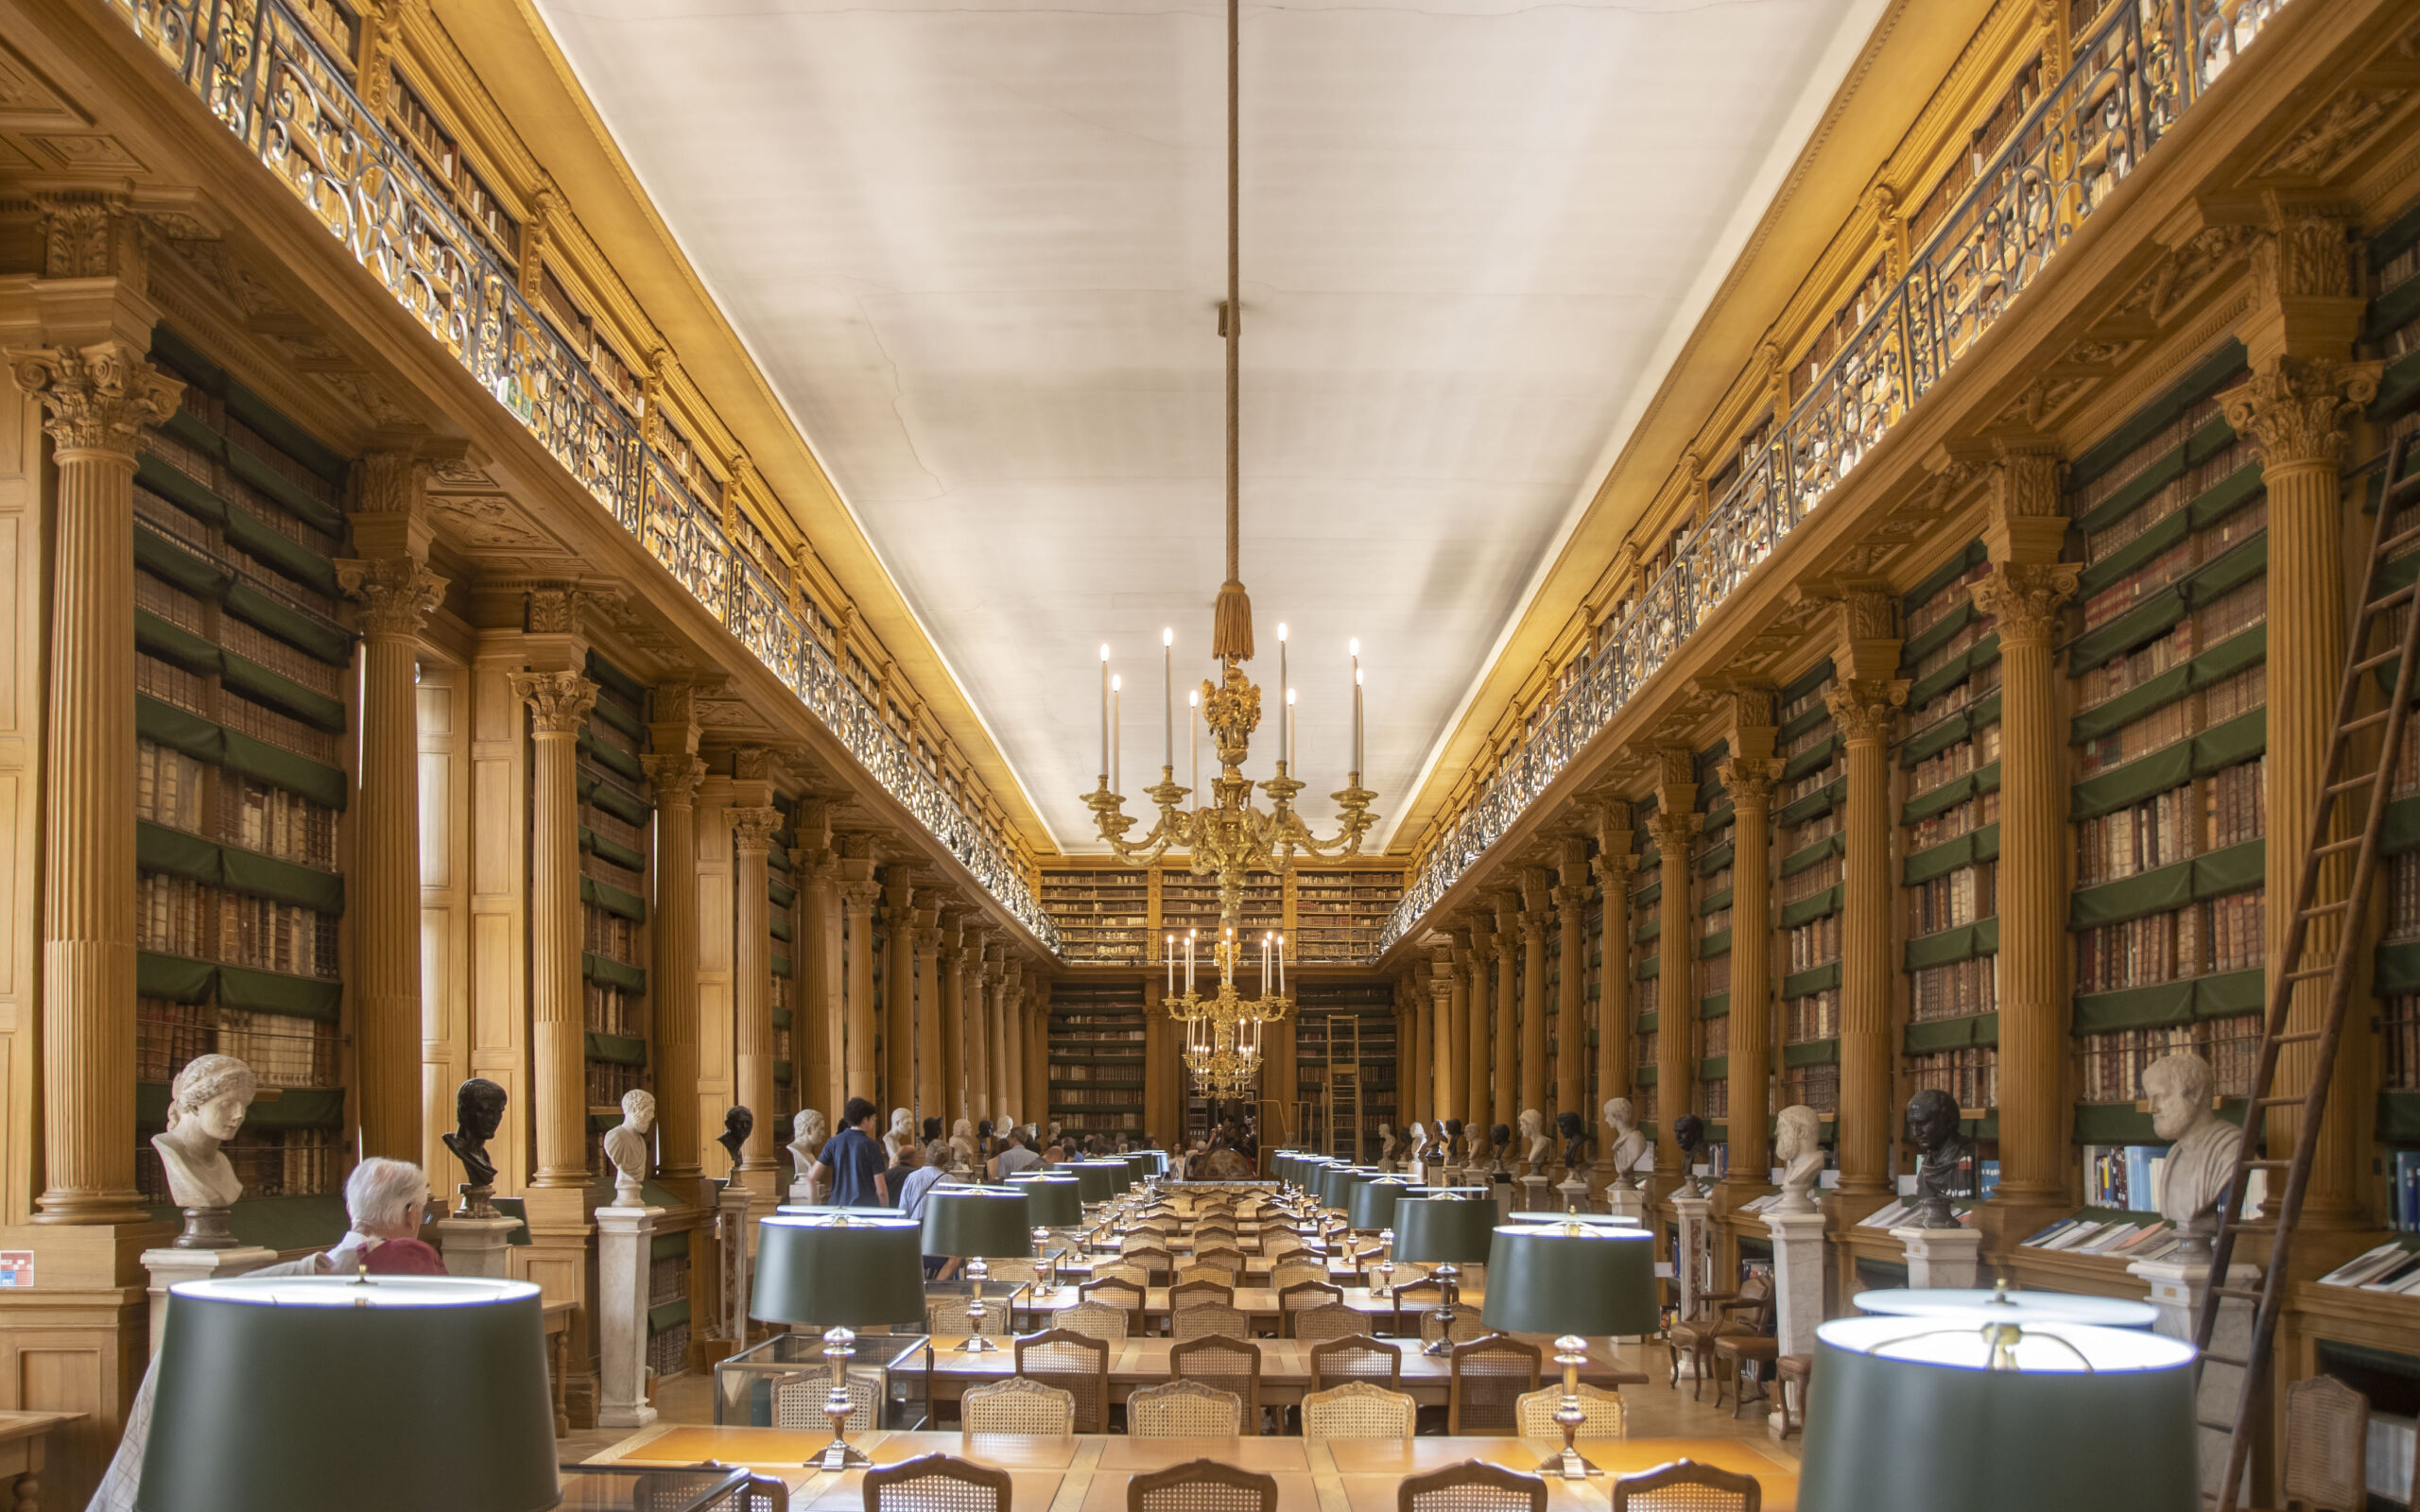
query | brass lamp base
(1571,1353)
(1449,1281)
(839,1454)
(977,1341)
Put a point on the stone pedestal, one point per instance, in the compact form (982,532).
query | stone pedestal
(1572,1193)
(801,1194)
(1940,1257)
(169,1267)
(1798,1288)
(476,1247)
(622,1266)
(1533,1194)
(734,1237)
(1688,1268)
(1622,1201)
(2177,1289)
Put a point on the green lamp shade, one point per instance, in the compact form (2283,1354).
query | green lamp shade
(840,1273)
(1122,1178)
(1092,1183)
(1371,1204)
(1444,1230)
(1543,1279)
(1052,1201)
(994,1222)
(1341,1182)
(1904,1414)
(399,1393)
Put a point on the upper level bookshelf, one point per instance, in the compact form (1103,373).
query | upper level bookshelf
(1103,913)
(1096,1039)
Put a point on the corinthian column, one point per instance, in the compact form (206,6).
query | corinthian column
(933,1097)
(1615,1037)
(672,981)
(558,704)
(1571,1023)
(899,990)
(1749,776)
(857,1076)
(752,838)
(1867,711)
(1506,1080)
(95,399)
(956,1056)
(1479,1100)
(2296,410)
(1674,823)
(1535,887)
(2022,596)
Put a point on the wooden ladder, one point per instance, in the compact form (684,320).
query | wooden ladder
(2342,778)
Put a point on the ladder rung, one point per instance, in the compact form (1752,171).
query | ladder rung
(2335,905)
(2391,597)
(2222,1427)
(2309,974)
(2378,660)
(2399,538)
(2348,784)
(2213,1357)
(2366,720)
(2350,843)
(2298,1036)
(2268,1165)
(2278,1102)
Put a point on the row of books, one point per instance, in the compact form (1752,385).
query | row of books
(1953,762)
(1956,647)
(2113,1062)
(1815,943)
(1962,818)
(2083,1234)
(1814,1017)
(1972,1076)
(1902,1213)
(2403,1190)
(1714,1037)
(607,1080)
(286,1162)
(177,916)
(1817,1087)
(1961,695)
(1953,901)
(2154,447)
(1958,990)
(174,789)
(2399,1036)
(2199,940)
(1820,877)
(1713,975)
(1946,599)
(610,1010)
(283,1052)
(1713,1100)
(2403,890)
(2123,1177)
(608,934)
(2139,585)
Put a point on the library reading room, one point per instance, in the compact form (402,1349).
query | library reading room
(578,928)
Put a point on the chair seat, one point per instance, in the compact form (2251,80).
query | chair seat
(1794,1367)
(1748,1346)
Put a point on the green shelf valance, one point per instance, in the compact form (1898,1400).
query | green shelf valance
(2214,437)
(2396,967)
(1916,647)
(1950,946)
(2153,617)
(2400,831)
(156,847)
(666,1316)
(2207,376)
(1644,1023)
(614,900)
(1940,859)
(2233,743)
(1814,855)
(2224,660)
(204,740)
(778,859)
(1813,906)
(1715,859)
(781,1017)
(781,894)
(276,1107)
(1813,759)
(1934,1035)
(246,990)
(1649,896)
(2233,869)
(1644,1076)
(1715,1006)
(1649,969)
(614,851)
(620,802)
(615,678)
(2213,504)
(781,1073)
(609,712)
(259,539)
(781,968)
(2399,1118)
(607,972)
(1950,794)
(1722,816)
(2219,995)
(172,643)
(1823,801)
(1974,556)
(1956,670)
(613,758)
(1647,930)
(1805,721)
(619,1049)
(1810,1052)
(1715,1068)
(1942,734)
(1814,979)
(257,471)
(1718,943)
(783,929)
(1714,902)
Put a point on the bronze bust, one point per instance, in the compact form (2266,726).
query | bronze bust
(1567,1124)
(737,1125)
(479,1112)
(1688,1132)
(1950,1168)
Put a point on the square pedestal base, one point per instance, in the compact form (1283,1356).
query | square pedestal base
(169,1267)
(1940,1257)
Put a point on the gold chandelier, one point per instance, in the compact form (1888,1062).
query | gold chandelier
(1223,1059)
(1228,837)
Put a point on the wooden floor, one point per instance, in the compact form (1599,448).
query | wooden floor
(1655,1410)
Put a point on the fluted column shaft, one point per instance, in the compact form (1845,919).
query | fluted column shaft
(956,1053)
(860,1012)
(995,1018)
(1479,1106)
(1571,1023)
(1614,1035)
(751,835)
(899,1016)
(1866,712)
(823,1025)
(672,984)
(1750,783)
(94,399)
(558,704)
(1534,1014)
(2296,410)
(1506,1081)
(933,1097)
(1676,1065)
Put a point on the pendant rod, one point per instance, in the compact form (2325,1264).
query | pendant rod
(1231,618)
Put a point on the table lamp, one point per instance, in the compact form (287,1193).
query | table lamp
(1092,1183)
(2021,1306)
(1370,1205)
(1978,1413)
(976,1224)
(1445,1232)
(324,1392)
(1570,1280)
(845,1272)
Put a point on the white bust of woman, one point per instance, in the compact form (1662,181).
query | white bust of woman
(206,1106)
(1533,1139)
(808,1134)
(1629,1144)
(1798,1135)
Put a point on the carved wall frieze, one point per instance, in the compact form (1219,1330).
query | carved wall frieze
(2183,268)
(2349,121)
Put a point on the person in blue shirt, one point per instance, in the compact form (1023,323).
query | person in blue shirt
(854,1159)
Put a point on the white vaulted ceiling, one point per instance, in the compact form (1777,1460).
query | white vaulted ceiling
(976,248)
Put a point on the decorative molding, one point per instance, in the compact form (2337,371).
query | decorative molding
(674,778)
(752,827)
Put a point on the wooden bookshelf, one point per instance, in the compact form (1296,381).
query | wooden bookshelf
(1337,913)
(1097,1039)
(1103,914)
(1345,1032)
(244,697)
(782,922)
(1809,847)
(1710,854)
(2391,334)
(1644,967)
(2171,691)
(1114,914)
(615,816)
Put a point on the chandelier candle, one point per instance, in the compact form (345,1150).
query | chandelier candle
(1284,706)
(1168,699)
(1116,732)
(1104,710)
(1353,649)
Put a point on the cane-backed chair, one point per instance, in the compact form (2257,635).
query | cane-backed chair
(798,1399)
(1096,1320)
(1685,1486)
(946,1313)
(1152,1259)
(1719,1314)
(1194,1294)
(1474,1486)
(1295,1270)
(1203,1319)
(1118,1292)
(1305,1294)
(1183,1409)
(1357,1357)
(1198,1271)
(1201,1486)
(1486,1378)
(937,1482)
(1332,1321)
(1604,1415)
(1407,1318)
(1220,1255)
(1076,1363)
(1358,1409)
(2327,1428)
(1018,1405)
(1280,1243)
(1467,1325)
(1225,1363)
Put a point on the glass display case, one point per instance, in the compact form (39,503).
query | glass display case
(784,1382)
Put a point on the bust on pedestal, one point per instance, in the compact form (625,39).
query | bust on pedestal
(473,1239)
(1573,1188)
(626,1147)
(1625,1148)
(962,1147)
(625,1229)
(1688,1132)
(901,1134)
(1797,1229)
(1941,1251)
(808,1134)
(206,1105)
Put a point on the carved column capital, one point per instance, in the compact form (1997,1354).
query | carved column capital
(1571,901)
(95,398)
(85,238)
(1867,709)
(2297,409)
(674,777)
(859,896)
(1534,927)
(752,829)
(2023,600)
(393,481)
(1672,830)
(1613,869)
(397,594)
(1750,782)
(559,701)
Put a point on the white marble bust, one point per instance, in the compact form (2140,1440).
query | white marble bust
(1629,1145)
(1798,1135)
(1386,1147)
(962,1145)
(1537,1149)
(206,1106)
(901,1134)
(626,1145)
(2202,1154)
(808,1134)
